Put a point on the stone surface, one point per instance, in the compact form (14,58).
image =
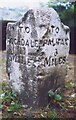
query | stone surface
(37,51)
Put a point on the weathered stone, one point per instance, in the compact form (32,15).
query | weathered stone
(37,52)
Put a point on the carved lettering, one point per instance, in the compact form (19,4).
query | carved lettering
(18,50)
(54,28)
(53,61)
(27,29)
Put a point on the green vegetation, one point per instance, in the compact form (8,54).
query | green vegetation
(57,99)
(10,101)
(65,101)
(52,114)
(65,11)
(58,106)
(55,96)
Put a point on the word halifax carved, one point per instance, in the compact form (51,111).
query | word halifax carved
(37,55)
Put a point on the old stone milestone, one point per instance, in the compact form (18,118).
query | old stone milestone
(37,55)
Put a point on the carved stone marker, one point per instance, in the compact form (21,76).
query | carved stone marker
(37,51)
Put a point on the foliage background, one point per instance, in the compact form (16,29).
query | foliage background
(65,9)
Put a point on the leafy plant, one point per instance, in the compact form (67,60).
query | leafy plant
(51,93)
(10,101)
(57,100)
(55,95)
(58,97)
(52,114)
(14,107)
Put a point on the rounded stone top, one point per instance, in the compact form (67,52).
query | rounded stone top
(42,15)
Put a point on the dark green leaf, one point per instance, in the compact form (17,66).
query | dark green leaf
(51,93)
(58,97)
